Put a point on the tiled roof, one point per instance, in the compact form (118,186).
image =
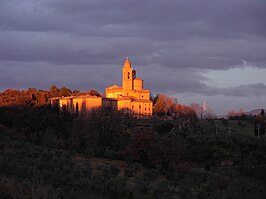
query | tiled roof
(87,96)
(55,98)
(133,99)
(114,87)
(69,97)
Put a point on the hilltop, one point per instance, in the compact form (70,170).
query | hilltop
(255,112)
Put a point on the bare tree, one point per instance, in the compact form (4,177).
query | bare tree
(198,109)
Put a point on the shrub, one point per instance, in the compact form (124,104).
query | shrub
(151,174)
(128,172)
(225,122)
(164,127)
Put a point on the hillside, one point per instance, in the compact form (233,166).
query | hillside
(255,112)
(53,154)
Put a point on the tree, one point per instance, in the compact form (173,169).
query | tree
(98,126)
(147,148)
(75,92)
(259,126)
(262,112)
(65,92)
(209,114)
(185,113)
(94,93)
(54,91)
(164,105)
(198,109)
(236,115)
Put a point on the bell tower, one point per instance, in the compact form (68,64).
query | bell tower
(128,76)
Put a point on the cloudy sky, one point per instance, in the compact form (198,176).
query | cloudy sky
(190,49)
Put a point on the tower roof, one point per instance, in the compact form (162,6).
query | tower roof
(127,63)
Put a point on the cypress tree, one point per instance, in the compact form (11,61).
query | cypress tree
(259,127)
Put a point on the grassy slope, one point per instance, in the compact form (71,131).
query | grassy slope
(52,172)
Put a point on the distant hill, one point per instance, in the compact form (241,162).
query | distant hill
(255,112)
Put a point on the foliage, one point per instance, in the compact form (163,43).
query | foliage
(259,126)
(32,96)
(198,109)
(167,106)
(163,127)
(147,148)
(34,123)
(185,113)
(94,93)
(45,153)
(164,105)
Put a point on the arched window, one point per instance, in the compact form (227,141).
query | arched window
(134,74)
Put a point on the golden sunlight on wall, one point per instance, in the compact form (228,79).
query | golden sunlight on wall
(131,97)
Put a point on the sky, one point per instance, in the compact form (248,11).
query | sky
(189,49)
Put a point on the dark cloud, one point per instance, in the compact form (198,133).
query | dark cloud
(191,82)
(191,34)
(248,90)
(43,75)
(77,42)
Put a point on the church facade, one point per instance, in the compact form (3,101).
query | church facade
(130,98)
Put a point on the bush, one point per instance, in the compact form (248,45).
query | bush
(164,127)
(225,122)
(110,154)
(241,124)
(128,172)
(108,172)
(151,174)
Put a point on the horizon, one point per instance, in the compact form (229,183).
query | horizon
(187,102)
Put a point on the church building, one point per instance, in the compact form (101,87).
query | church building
(131,98)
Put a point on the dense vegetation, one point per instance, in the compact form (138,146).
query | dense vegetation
(48,153)
(36,97)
